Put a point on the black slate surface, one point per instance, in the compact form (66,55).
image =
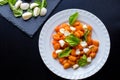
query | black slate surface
(32,25)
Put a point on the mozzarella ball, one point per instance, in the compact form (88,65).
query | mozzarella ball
(24,6)
(43,11)
(18,3)
(62,42)
(33,5)
(89,59)
(26,15)
(58,51)
(75,66)
(36,11)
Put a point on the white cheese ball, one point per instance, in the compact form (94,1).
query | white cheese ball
(62,42)
(62,30)
(72,28)
(86,50)
(26,15)
(18,3)
(24,6)
(75,66)
(85,26)
(77,52)
(36,11)
(33,5)
(83,43)
(66,33)
(43,11)
(58,51)
(89,59)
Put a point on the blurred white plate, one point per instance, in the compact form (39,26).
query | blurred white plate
(99,32)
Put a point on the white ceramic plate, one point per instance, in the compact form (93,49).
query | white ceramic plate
(99,32)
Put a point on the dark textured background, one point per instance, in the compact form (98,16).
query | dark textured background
(19,54)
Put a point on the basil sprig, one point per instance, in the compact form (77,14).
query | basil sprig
(72,40)
(82,61)
(16,12)
(65,53)
(73,18)
(3,2)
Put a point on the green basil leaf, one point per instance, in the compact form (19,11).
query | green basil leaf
(16,12)
(65,53)
(12,2)
(44,4)
(38,2)
(73,18)
(85,35)
(3,2)
(83,61)
(72,40)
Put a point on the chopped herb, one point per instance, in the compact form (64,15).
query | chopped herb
(16,12)
(85,35)
(66,52)
(3,2)
(83,61)
(73,18)
(72,40)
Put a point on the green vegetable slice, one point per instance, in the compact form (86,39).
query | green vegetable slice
(16,12)
(85,35)
(73,18)
(83,61)
(72,40)
(3,2)
(65,53)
